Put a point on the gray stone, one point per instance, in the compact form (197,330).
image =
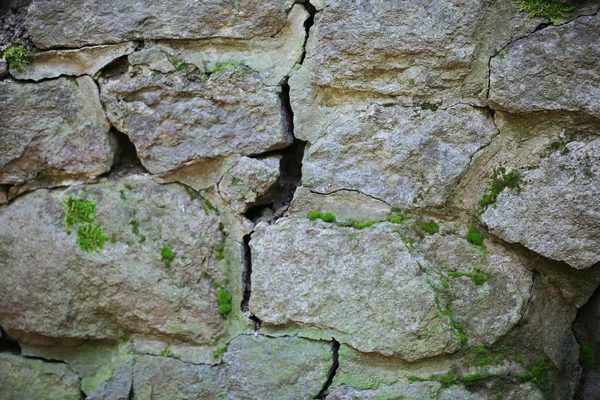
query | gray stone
(3,68)
(22,378)
(556,212)
(120,384)
(553,69)
(406,156)
(124,288)
(55,23)
(249,180)
(85,61)
(181,119)
(273,57)
(51,133)
(360,286)
(284,368)
(254,367)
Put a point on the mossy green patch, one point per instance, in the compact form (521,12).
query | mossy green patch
(323,216)
(474,236)
(553,10)
(429,106)
(91,238)
(479,276)
(221,251)
(224,301)
(500,181)
(537,374)
(224,66)
(430,227)
(81,213)
(17,57)
(88,385)
(166,352)
(167,255)
(218,353)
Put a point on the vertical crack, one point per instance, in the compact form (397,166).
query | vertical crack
(332,371)
(310,21)
(247,282)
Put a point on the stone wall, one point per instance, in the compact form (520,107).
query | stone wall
(359,199)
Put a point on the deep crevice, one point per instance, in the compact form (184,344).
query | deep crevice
(7,345)
(332,371)
(585,329)
(247,282)
(126,159)
(310,21)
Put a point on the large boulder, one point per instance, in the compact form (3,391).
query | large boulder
(52,132)
(556,212)
(553,69)
(23,378)
(130,256)
(184,118)
(59,23)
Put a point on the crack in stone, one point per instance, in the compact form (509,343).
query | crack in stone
(332,371)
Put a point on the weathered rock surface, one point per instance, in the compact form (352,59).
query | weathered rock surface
(85,61)
(556,212)
(361,287)
(254,367)
(3,68)
(272,57)
(67,24)
(180,119)
(406,156)
(52,132)
(249,179)
(588,336)
(553,69)
(51,287)
(22,378)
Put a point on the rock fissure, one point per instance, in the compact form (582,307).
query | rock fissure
(332,371)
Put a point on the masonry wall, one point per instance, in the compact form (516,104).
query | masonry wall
(295,200)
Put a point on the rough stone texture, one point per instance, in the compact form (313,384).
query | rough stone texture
(85,61)
(182,118)
(282,368)
(371,295)
(556,212)
(588,337)
(22,378)
(52,132)
(254,367)
(247,181)
(273,57)
(120,384)
(378,148)
(3,68)
(52,288)
(553,69)
(67,24)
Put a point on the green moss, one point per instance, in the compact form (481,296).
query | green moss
(209,205)
(362,225)
(323,216)
(500,181)
(78,211)
(430,227)
(559,144)
(128,186)
(224,66)
(193,194)
(88,385)
(221,251)
(122,195)
(589,354)
(397,219)
(552,10)
(167,255)
(135,227)
(218,353)
(474,236)
(429,106)
(445,284)
(91,238)
(479,277)
(388,396)
(537,374)
(224,301)
(484,361)
(17,57)
(166,352)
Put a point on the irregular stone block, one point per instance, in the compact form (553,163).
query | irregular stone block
(405,156)
(253,367)
(52,132)
(249,179)
(62,23)
(109,275)
(553,69)
(23,378)
(360,286)
(85,61)
(556,212)
(180,119)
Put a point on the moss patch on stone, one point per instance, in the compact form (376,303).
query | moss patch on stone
(224,301)
(474,236)
(500,181)
(81,213)
(553,10)
(17,57)
(167,255)
(479,276)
